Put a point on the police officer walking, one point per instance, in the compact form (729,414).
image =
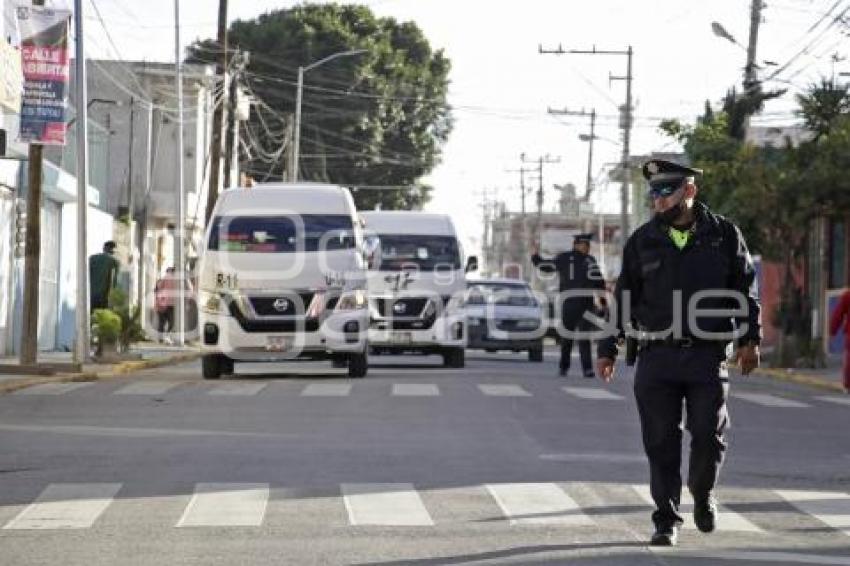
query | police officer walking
(685,272)
(578,271)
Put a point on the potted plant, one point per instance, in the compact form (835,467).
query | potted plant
(106,328)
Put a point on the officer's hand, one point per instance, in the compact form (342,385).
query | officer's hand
(747,358)
(605,369)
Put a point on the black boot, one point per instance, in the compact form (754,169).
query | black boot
(665,536)
(705,514)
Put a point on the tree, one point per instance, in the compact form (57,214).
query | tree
(376,119)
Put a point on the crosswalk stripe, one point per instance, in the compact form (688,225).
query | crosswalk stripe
(415,390)
(835,399)
(768,400)
(66,506)
(326,390)
(146,388)
(829,507)
(226,505)
(52,388)
(729,520)
(235,389)
(503,390)
(537,504)
(593,393)
(387,504)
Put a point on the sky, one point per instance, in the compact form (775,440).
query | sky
(501,86)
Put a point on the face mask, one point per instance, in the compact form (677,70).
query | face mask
(671,214)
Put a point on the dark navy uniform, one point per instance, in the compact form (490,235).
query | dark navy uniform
(576,271)
(658,279)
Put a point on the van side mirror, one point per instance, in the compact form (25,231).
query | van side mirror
(471,264)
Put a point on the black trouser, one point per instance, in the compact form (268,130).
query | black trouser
(165,319)
(573,320)
(666,378)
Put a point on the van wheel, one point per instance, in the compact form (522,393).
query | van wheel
(358,365)
(227,365)
(454,357)
(535,354)
(211,366)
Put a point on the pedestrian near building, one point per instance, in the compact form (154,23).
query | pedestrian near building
(165,293)
(685,258)
(840,320)
(103,276)
(579,274)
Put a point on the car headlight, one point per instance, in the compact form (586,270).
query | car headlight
(211,302)
(528,323)
(352,300)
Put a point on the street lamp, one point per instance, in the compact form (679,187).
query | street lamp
(296,134)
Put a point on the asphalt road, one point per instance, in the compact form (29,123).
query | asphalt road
(502,462)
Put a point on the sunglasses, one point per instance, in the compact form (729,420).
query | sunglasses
(664,189)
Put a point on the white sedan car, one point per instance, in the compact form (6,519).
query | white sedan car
(504,314)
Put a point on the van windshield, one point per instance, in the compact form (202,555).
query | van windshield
(281,234)
(397,252)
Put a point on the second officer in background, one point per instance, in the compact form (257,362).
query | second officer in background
(579,274)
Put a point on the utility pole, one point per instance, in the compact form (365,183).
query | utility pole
(218,112)
(543,159)
(240,62)
(565,112)
(32,255)
(625,124)
(180,223)
(750,79)
(81,344)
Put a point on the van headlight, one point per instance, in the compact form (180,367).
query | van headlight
(211,302)
(352,300)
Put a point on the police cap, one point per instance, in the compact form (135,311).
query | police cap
(582,238)
(663,171)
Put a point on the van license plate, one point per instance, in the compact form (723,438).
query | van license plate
(401,337)
(279,343)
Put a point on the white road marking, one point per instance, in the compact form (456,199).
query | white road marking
(768,400)
(415,390)
(66,506)
(835,399)
(390,504)
(326,390)
(604,457)
(593,393)
(723,557)
(538,504)
(235,389)
(728,520)
(829,507)
(503,390)
(146,388)
(52,388)
(226,505)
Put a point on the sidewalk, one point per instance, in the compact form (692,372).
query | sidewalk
(55,367)
(829,378)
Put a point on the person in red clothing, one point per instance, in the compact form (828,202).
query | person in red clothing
(165,293)
(841,319)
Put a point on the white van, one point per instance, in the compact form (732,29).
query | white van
(282,277)
(416,285)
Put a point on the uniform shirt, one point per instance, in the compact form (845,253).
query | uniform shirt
(103,273)
(575,270)
(715,258)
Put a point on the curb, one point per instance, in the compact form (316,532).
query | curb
(117,370)
(793,376)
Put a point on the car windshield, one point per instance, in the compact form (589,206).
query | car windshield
(281,234)
(500,294)
(397,252)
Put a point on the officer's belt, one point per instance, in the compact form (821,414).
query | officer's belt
(687,342)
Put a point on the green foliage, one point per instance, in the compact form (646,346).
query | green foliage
(106,326)
(823,105)
(378,118)
(131,330)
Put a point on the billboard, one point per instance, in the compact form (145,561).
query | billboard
(46,70)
